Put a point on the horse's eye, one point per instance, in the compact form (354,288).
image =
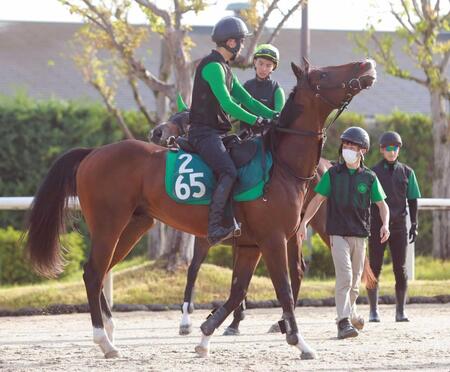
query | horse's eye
(323,75)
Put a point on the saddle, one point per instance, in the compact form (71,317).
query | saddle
(241,151)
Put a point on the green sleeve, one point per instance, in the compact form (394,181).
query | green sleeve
(413,191)
(279,99)
(377,193)
(214,75)
(249,102)
(324,186)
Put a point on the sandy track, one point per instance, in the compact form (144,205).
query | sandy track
(149,341)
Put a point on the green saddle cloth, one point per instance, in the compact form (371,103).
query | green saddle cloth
(190,181)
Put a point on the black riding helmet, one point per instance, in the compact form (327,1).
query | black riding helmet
(390,138)
(230,28)
(357,136)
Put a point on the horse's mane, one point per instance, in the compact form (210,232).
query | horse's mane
(290,110)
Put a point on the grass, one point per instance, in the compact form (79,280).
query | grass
(140,281)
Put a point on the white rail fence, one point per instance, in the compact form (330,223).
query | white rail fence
(22,203)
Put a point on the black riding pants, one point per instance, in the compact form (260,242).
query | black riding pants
(208,144)
(398,242)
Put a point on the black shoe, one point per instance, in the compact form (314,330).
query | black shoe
(400,298)
(345,329)
(372,295)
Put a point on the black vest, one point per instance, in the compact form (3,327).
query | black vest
(349,201)
(394,179)
(262,90)
(205,108)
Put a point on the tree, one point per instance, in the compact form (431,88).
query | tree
(108,52)
(424,28)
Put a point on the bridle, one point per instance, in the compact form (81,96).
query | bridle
(353,86)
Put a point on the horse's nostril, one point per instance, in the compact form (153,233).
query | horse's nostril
(157,133)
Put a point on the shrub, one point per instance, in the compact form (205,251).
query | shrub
(15,269)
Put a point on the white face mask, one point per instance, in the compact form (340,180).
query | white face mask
(350,156)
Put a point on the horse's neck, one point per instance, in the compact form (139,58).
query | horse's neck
(301,153)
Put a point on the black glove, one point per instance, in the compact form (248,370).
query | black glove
(413,233)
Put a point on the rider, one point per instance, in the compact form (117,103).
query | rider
(350,188)
(262,87)
(400,184)
(215,93)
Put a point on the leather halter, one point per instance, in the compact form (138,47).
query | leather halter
(354,86)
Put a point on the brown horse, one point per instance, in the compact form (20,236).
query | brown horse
(165,134)
(121,188)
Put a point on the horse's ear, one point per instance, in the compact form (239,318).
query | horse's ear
(181,106)
(297,70)
(306,64)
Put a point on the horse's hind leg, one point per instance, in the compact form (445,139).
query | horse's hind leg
(274,253)
(137,226)
(201,248)
(238,317)
(238,313)
(244,266)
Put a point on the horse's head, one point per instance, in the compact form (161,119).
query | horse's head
(333,86)
(174,127)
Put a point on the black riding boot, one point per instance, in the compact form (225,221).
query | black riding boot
(400,298)
(216,232)
(372,294)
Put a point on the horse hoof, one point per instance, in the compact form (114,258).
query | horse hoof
(231,332)
(202,351)
(275,328)
(112,354)
(358,323)
(308,355)
(185,329)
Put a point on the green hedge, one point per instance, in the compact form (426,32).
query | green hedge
(33,133)
(15,269)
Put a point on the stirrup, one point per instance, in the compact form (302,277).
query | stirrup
(215,239)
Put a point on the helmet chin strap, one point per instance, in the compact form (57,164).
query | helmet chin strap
(234,51)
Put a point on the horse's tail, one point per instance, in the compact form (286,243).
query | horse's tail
(47,213)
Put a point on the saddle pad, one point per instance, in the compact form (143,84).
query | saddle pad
(190,181)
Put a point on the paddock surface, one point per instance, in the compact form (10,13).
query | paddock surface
(149,341)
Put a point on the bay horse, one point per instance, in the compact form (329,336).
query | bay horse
(121,189)
(165,134)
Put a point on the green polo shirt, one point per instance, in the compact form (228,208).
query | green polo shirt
(324,187)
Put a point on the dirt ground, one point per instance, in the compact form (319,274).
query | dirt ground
(149,341)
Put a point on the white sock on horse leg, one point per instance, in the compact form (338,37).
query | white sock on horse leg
(109,326)
(205,341)
(303,346)
(185,319)
(102,340)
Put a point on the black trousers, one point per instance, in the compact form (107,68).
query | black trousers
(208,144)
(398,242)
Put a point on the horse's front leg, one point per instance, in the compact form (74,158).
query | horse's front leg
(244,266)
(201,248)
(238,316)
(297,267)
(274,252)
